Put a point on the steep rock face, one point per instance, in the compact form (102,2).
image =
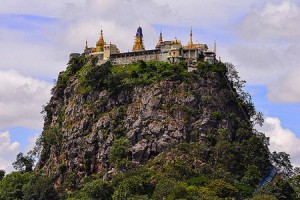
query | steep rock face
(151,118)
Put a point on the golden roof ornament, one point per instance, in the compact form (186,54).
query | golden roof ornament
(190,44)
(160,39)
(100,43)
(138,43)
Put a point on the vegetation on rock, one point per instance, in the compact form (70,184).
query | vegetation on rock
(150,131)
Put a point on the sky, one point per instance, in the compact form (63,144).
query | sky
(260,37)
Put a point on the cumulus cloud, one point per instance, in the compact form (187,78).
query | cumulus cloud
(119,20)
(259,64)
(207,13)
(288,89)
(31,142)
(281,139)
(275,21)
(8,151)
(36,40)
(36,7)
(21,100)
(268,47)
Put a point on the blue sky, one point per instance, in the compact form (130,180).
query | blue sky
(288,112)
(259,37)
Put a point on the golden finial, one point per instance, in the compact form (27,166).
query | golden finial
(160,39)
(190,44)
(101,34)
(100,43)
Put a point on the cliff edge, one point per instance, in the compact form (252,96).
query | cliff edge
(109,119)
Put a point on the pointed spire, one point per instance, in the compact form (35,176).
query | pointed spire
(215,47)
(138,43)
(101,34)
(160,36)
(160,40)
(86,44)
(100,43)
(190,44)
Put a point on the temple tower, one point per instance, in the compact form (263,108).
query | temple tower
(86,45)
(100,43)
(138,43)
(191,44)
(160,40)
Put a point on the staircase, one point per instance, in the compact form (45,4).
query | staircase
(268,177)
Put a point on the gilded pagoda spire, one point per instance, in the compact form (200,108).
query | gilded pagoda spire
(100,43)
(160,40)
(138,43)
(191,44)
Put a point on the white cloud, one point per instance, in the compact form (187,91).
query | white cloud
(207,13)
(42,49)
(259,64)
(281,139)
(21,100)
(119,20)
(36,7)
(31,142)
(8,151)
(268,49)
(288,89)
(275,21)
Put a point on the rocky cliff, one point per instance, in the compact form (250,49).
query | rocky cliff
(110,118)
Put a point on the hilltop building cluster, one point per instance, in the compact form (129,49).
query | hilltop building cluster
(166,51)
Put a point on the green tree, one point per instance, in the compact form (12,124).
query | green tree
(98,190)
(281,161)
(252,175)
(280,188)
(133,185)
(223,189)
(168,188)
(264,197)
(118,153)
(23,163)
(11,185)
(39,187)
(295,182)
(2,174)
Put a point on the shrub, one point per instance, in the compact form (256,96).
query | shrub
(223,189)
(198,181)
(2,174)
(132,186)
(97,189)
(264,197)
(217,115)
(118,153)
(11,185)
(168,188)
(39,187)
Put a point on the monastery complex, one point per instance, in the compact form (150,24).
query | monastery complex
(165,51)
